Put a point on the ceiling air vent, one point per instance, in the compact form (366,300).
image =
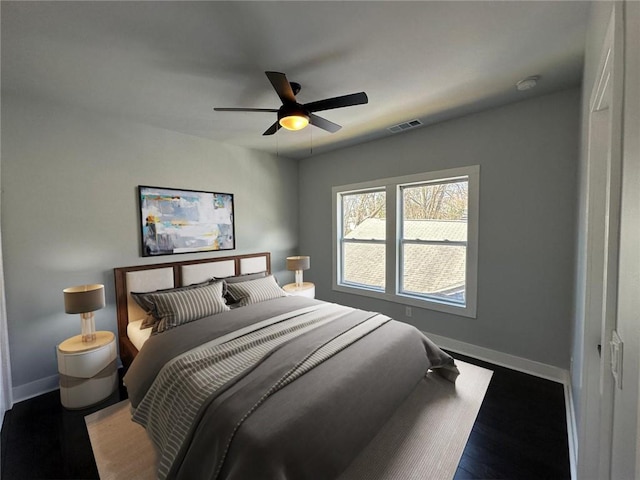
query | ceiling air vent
(401,127)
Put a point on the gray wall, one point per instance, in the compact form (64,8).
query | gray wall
(528,155)
(69,214)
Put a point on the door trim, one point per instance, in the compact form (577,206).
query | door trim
(603,191)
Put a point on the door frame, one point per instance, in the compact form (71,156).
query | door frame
(602,237)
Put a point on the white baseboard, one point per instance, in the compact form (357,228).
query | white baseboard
(531,367)
(33,389)
(520,364)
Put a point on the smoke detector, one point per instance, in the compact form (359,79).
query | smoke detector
(528,83)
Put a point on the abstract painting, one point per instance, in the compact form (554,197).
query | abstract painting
(184,221)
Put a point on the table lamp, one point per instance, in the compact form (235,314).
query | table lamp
(298,264)
(85,299)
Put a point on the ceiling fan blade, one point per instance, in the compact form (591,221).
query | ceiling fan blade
(323,123)
(271,110)
(272,129)
(281,86)
(337,102)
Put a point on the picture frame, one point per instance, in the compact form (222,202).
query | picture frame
(175,221)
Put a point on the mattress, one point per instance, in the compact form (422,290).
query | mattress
(136,335)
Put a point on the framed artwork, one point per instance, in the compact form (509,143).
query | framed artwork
(184,221)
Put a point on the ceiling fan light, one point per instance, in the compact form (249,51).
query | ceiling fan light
(294,122)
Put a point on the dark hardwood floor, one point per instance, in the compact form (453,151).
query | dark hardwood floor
(520,433)
(521,429)
(43,440)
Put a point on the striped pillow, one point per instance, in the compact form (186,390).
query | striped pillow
(179,307)
(255,291)
(237,279)
(146,303)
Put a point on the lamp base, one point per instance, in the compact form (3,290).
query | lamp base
(87,321)
(299,278)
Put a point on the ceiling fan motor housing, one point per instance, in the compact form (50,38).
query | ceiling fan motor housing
(295,86)
(292,110)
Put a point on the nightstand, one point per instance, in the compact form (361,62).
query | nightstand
(88,371)
(307,289)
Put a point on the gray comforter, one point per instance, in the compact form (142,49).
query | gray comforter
(291,388)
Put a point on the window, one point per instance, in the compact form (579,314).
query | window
(411,239)
(363,239)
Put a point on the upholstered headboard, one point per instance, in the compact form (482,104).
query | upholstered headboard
(147,278)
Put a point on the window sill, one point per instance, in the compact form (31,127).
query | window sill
(468,311)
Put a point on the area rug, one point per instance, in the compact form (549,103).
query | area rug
(425,438)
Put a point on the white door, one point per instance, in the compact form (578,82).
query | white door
(626,433)
(603,218)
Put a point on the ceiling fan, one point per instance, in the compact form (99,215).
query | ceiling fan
(295,116)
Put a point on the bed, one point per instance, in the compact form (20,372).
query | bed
(270,385)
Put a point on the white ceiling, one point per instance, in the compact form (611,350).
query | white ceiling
(167,64)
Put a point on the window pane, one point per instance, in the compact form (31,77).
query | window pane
(435,212)
(364,264)
(434,270)
(364,215)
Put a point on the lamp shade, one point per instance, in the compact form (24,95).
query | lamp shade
(293,117)
(298,263)
(84,298)
(294,122)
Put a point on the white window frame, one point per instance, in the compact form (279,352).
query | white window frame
(393,237)
(342,241)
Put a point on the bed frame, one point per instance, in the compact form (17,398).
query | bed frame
(242,264)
